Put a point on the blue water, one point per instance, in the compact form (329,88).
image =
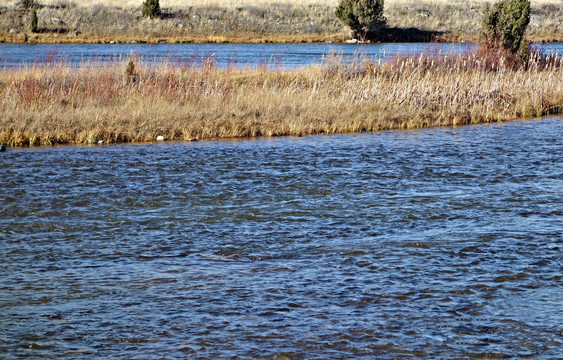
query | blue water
(271,55)
(435,243)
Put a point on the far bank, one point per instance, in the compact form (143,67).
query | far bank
(282,22)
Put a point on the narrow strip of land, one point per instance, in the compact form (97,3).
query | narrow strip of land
(59,104)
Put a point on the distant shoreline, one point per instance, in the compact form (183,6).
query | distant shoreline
(268,22)
(335,39)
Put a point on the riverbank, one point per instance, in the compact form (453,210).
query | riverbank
(266,21)
(118,103)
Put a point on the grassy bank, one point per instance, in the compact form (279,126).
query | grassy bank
(59,104)
(254,21)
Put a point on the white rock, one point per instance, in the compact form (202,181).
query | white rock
(352,41)
(160,138)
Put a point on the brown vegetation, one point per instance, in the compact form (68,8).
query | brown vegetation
(59,104)
(253,21)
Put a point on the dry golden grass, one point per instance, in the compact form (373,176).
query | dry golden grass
(232,3)
(280,23)
(59,104)
(255,21)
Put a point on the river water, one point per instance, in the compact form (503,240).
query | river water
(436,243)
(223,55)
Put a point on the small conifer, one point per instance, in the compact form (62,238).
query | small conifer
(362,16)
(504,26)
(33,20)
(151,9)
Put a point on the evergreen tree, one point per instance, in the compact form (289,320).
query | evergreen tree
(33,20)
(151,8)
(504,26)
(362,16)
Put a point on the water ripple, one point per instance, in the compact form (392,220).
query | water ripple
(436,243)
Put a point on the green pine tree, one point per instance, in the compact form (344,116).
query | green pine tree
(504,26)
(33,20)
(151,8)
(362,16)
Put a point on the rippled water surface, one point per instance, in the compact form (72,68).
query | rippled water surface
(223,55)
(443,242)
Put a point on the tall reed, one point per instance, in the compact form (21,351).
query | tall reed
(60,104)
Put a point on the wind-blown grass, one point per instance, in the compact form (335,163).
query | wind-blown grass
(59,104)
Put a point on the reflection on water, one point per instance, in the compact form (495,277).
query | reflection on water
(438,243)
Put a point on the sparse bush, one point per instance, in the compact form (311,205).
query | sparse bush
(33,20)
(151,8)
(28,4)
(130,71)
(362,16)
(504,26)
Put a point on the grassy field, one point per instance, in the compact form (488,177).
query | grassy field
(230,3)
(255,21)
(58,104)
